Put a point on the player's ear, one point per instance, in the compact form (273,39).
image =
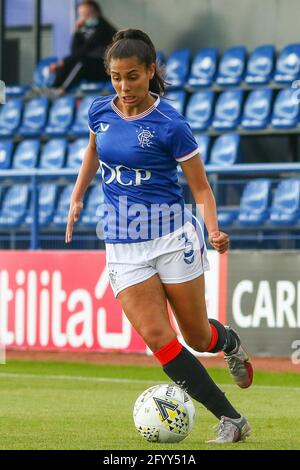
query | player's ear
(151,71)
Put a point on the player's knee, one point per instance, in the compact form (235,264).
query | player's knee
(157,338)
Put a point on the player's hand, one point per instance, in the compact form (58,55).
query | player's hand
(73,217)
(219,240)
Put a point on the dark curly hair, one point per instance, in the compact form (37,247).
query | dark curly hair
(136,43)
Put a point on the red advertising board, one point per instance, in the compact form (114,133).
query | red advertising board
(62,300)
(55,300)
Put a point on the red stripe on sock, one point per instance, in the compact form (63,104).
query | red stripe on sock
(168,352)
(214,338)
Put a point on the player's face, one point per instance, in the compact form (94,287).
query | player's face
(131,79)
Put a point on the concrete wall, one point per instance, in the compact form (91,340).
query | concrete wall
(200,23)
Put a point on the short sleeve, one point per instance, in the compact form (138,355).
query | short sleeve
(181,141)
(91,118)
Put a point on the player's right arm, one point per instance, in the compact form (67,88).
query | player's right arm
(89,168)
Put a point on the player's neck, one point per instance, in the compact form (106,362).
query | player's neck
(130,111)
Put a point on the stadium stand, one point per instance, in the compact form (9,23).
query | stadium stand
(38,135)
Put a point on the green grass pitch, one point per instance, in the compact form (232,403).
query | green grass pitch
(53,405)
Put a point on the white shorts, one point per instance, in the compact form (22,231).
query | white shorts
(176,258)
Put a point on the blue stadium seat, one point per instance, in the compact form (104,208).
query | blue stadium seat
(199,110)
(254,205)
(257,109)
(177,100)
(203,141)
(285,209)
(227,216)
(80,127)
(285,110)
(75,153)
(10,117)
(177,68)
(94,207)
(61,116)
(288,64)
(228,110)
(41,75)
(53,154)
(109,89)
(92,87)
(14,206)
(26,154)
(6,149)
(16,91)
(60,216)
(204,68)
(226,150)
(47,204)
(260,65)
(35,118)
(232,66)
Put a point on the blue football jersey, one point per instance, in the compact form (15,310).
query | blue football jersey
(139,157)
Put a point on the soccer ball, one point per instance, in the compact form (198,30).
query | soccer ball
(164,413)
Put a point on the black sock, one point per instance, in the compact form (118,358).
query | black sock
(187,372)
(226,340)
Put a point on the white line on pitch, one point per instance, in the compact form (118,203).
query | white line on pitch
(121,381)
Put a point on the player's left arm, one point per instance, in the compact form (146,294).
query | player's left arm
(196,178)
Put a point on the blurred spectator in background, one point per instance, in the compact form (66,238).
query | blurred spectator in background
(92,35)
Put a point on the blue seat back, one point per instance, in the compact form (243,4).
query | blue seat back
(225,150)
(62,112)
(15,201)
(76,152)
(204,67)
(287,196)
(81,118)
(203,141)
(177,68)
(228,106)
(95,199)
(53,154)
(176,99)
(35,114)
(258,104)
(47,201)
(232,66)
(285,105)
(88,87)
(288,64)
(10,114)
(6,149)
(261,64)
(26,154)
(256,196)
(200,108)
(64,201)
(41,75)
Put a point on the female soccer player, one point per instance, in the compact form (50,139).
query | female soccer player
(153,253)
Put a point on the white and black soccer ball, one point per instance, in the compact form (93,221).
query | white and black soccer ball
(164,413)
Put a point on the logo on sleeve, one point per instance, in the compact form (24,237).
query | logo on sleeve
(103,127)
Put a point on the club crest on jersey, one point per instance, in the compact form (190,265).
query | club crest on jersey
(103,127)
(145,135)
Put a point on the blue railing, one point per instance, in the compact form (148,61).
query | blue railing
(36,176)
